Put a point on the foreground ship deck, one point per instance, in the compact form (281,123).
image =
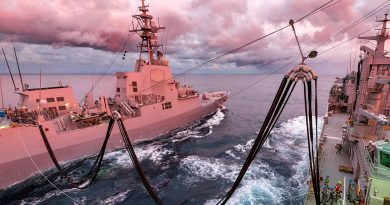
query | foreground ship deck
(330,161)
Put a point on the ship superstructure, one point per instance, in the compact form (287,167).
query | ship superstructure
(354,146)
(151,101)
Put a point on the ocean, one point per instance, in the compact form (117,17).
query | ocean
(196,164)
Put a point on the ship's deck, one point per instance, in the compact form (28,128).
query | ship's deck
(330,160)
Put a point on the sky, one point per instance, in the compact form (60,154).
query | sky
(72,36)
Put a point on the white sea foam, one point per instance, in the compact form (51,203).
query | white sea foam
(195,132)
(120,197)
(261,184)
(243,148)
(48,195)
(215,120)
(155,153)
(231,153)
(200,168)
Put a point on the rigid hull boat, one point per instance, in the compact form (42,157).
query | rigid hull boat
(150,100)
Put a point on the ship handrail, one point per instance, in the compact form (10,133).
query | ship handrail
(368,162)
(367,165)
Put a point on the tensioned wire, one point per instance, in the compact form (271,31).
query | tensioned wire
(377,9)
(247,44)
(209,61)
(322,7)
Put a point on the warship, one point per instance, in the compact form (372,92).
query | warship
(150,101)
(354,146)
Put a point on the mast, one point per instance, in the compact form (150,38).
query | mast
(17,63)
(40,91)
(147,30)
(1,93)
(9,69)
(380,38)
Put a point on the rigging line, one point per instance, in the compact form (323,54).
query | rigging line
(9,69)
(115,56)
(352,25)
(316,10)
(213,59)
(316,130)
(258,81)
(354,60)
(17,63)
(98,160)
(258,138)
(41,172)
(328,6)
(232,51)
(279,109)
(347,40)
(309,84)
(355,23)
(263,134)
(373,44)
(313,178)
(289,63)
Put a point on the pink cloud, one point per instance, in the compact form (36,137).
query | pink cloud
(195,29)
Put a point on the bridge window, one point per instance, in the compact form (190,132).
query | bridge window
(134,84)
(384,159)
(60,108)
(50,100)
(167,105)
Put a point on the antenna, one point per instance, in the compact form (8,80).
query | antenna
(17,63)
(9,69)
(1,93)
(312,54)
(40,90)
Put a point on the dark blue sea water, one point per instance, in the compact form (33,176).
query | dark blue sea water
(198,164)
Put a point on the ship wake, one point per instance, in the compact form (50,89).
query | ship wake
(201,128)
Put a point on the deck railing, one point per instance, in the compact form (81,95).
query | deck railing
(370,165)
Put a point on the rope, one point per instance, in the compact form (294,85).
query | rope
(91,175)
(41,172)
(114,58)
(136,163)
(309,129)
(284,92)
(316,129)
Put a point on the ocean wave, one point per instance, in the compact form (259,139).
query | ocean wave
(199,130)
(202,168)
(264,183)
(117,198)
(54,193)
(155,153)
